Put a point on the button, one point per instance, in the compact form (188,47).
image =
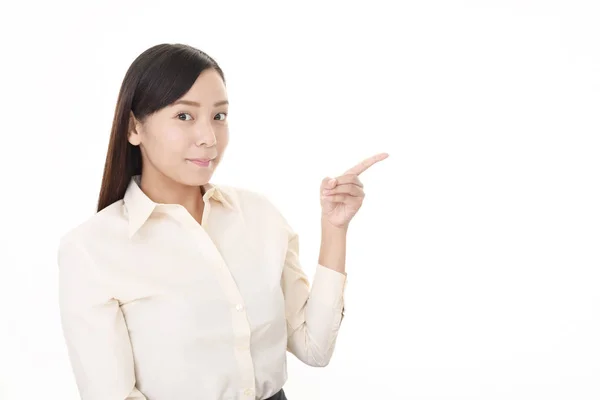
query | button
(239,307)
(248,392)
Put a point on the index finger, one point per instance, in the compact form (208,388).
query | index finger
(365,164)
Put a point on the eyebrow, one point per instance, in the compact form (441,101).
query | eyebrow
(196,104)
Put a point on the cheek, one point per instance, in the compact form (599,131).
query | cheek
(222,140)
(166,146)
(174,138)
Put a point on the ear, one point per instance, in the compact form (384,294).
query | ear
(133,130)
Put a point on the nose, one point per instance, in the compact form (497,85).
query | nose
(205,135)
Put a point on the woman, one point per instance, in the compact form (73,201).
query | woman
(181,289)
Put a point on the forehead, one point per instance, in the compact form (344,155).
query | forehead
(208,85)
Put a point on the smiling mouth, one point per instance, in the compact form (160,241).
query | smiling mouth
(201,162)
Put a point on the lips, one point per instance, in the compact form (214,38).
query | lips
(201,162)
(203,159)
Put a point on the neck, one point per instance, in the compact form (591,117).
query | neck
(163,190)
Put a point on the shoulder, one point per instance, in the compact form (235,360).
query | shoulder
(254,204)
(246,198)
(107,223)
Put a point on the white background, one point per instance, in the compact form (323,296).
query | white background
(473,267)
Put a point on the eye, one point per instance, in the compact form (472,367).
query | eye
(222,118)
(184,113)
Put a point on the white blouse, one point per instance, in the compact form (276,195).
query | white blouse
(156,306)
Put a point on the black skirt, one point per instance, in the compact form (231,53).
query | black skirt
(278,396)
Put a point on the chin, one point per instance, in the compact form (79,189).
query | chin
(199,181)
(195,179)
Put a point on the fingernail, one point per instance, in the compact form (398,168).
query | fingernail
(331,182)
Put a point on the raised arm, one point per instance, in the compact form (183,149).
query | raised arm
(314,315)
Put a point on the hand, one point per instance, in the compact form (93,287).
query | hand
(342,197)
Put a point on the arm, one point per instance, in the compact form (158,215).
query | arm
(314,315)
(333,247)
(94,329)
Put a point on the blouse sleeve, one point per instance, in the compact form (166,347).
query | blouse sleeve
(313,315)
(94,328)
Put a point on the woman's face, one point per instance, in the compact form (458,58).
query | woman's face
(185,141)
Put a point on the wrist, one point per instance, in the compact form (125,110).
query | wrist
(330,229)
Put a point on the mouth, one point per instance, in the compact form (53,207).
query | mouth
(201,162)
